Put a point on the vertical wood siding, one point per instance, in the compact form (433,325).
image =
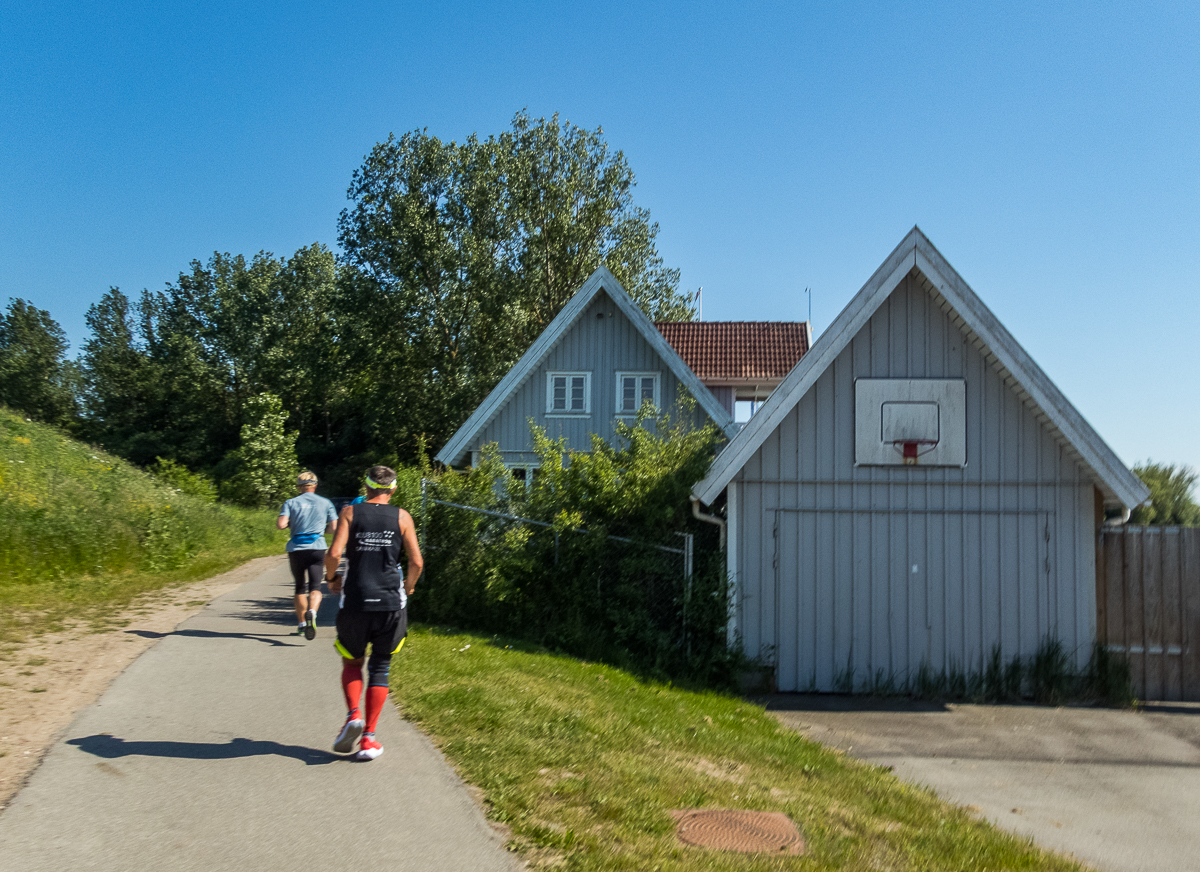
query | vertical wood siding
(1150,607)
(602,346)
(850,577)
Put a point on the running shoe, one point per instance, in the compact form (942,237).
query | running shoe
(310,625)
(369,749)
(351,730)
(299,630)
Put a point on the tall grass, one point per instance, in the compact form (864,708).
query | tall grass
(84,529)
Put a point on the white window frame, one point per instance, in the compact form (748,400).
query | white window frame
(551,412)
(657,400)
(528,468)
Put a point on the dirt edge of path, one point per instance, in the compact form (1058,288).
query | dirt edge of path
(45,682)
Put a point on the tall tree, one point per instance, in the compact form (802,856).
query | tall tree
(172,376)
(35,376)
(458,256)
(1171,500)
(118,384)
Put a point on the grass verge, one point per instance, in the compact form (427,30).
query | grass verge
(84,531)
(584,762)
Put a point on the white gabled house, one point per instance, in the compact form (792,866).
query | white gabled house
(915,492)
(593,365)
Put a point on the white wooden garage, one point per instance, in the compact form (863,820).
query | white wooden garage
(916,491)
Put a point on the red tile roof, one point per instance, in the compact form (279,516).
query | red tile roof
(737,350)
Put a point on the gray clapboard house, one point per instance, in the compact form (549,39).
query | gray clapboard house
(593,365)
(915,492)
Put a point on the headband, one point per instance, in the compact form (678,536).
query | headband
(374,485)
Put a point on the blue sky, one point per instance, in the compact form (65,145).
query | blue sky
(1050,151)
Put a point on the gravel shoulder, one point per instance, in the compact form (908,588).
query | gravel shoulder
(45,682)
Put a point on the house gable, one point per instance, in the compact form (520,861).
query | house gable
(917,260)
(601,332)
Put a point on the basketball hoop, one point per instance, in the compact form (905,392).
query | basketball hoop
(911,449)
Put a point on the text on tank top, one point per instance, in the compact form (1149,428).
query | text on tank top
(374,575)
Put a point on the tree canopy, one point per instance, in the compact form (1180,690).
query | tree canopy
(35,376)
(1171,500)
(455,257)
(458,255)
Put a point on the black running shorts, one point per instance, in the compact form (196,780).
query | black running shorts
(383,630)
(308,568)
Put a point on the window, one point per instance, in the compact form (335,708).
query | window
(568,393)
(634,388)
(526,473)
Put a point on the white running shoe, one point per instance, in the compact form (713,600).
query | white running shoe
(370,749)
(351,730)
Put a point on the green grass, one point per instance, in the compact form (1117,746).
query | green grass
(584,762)
(84,531)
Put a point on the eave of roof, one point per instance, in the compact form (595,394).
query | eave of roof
(1118,484)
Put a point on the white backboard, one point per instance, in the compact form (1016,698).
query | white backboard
(929,414)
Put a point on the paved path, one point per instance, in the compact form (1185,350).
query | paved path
(211,753)
(1118,789)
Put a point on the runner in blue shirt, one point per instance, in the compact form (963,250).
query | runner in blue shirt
(310,517)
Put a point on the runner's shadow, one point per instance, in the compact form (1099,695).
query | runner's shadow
(210,634)
(112,747)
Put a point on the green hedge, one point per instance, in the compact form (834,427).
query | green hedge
(624,602)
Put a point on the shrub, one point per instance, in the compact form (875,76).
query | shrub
(590,577)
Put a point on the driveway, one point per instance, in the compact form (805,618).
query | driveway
(1120,790)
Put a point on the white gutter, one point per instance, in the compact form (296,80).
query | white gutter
(711,519)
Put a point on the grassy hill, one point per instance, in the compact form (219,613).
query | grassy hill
(585,763)
(84,529)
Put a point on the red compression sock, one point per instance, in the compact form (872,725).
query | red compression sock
(376,697)
(352,685)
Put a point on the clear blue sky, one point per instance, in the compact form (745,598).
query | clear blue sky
(1052,153)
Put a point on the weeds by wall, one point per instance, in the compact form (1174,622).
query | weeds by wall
(1046,678)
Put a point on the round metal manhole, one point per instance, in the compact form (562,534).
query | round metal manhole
(751,832)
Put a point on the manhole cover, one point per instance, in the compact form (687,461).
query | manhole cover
(751,832)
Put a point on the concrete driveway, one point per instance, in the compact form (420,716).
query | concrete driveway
(1120,790)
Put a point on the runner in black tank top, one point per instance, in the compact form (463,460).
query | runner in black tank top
(373,535)
(374,582)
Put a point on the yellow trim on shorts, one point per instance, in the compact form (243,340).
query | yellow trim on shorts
(337,643)
(401,645)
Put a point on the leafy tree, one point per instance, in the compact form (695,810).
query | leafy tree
(117,379)
(171,376)
(35,377)
(1171,501)
(458,256)
(265,463)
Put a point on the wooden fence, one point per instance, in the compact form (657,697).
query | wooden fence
(1148,606)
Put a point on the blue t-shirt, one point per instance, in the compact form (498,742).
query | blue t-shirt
(308,515)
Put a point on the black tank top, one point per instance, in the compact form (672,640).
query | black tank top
(374,576)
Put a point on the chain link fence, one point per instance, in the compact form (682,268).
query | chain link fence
(586,591)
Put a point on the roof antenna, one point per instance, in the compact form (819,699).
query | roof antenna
(808,292)
(699,304)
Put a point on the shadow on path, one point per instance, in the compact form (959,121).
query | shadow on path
(112,747)
(212,634)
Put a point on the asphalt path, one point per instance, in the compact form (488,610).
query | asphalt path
(212,752)
(1119,790)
